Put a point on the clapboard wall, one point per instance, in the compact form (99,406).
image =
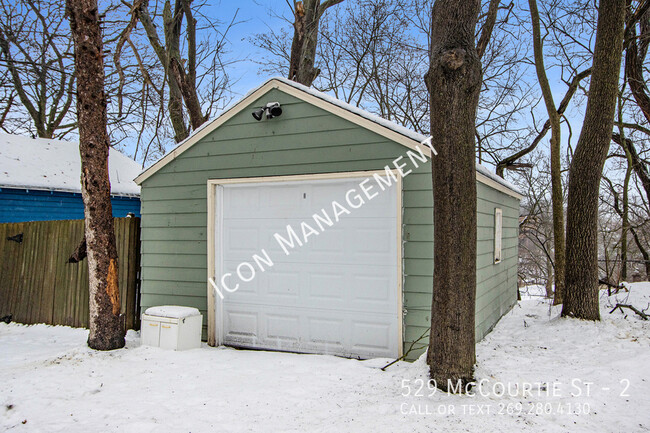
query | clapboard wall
(306,140)
(20,205)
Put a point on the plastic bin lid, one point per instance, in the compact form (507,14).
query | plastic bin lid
(173,311)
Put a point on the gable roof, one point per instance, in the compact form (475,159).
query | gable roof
(55,165)
(386,128)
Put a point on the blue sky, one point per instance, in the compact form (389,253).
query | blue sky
(254,18)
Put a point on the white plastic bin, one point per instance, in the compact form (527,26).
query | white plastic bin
(171,327)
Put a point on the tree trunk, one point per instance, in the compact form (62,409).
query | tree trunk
(307,15)
(175,107)
(581,282)
(454,82)
(643,251)
(625,218)
(549,278)
(176,65)
(106,324)
(644,254)
(557,197)
(634,58)
(181,83)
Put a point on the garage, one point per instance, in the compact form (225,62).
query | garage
(219,211)
(335,292)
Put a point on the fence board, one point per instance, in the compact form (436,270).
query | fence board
(38,285)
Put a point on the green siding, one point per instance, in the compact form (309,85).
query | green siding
(306,140)
(496,289)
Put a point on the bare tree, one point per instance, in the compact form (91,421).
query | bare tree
(454,83)
(556,164)
(35,49)
(37,77)
(625,211)
(181,56)
(581,297)
(536,262)
(37,82)
(106,324)
(512,161)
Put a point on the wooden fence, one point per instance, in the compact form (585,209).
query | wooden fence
(38,285)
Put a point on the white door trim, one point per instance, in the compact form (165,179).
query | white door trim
(215,239)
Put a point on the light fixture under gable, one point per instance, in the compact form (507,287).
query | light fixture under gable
(272,109)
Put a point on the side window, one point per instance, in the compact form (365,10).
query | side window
(498,234)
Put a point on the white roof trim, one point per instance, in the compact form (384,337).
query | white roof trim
(489,181)
(388,129)
(204,130)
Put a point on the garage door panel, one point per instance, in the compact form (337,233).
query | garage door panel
(283,328)
(372,288)
(373,242)
(284,284)
(325,288)
(242,323)
(326,331)
(304,199)
(242,202)
(233,282)
(376,242)
(335,294)
(371,335)
(273,201)
(327,245)
(242,241)
(344,287)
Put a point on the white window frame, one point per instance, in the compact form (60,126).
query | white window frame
(498,235)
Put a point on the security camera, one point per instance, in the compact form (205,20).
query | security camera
(273,110)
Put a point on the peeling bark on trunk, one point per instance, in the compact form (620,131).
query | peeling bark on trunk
(106,324)
(454,82)
(581,281)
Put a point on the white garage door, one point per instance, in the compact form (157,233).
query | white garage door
(335,294)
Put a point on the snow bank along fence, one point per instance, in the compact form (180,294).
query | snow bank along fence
(38,285)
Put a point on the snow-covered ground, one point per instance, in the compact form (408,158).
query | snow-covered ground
(556,369)
(532,291)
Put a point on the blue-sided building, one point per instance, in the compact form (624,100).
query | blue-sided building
(40,180)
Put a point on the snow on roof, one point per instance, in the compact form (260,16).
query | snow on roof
(415,136)
(50,164)
(385,123)
(351,108)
